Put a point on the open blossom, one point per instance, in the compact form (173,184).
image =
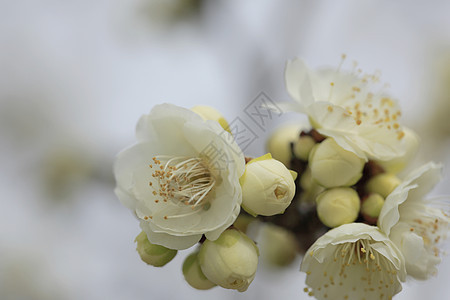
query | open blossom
(343,106)
(181,178)
(414,224)
(353,261)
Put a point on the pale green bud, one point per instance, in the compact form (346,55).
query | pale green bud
(230,261)
(152,254)
(332,166)
(310,187)
(412,141)
(279,143)
(382,184)
(338,206)
(243,221)
(277,245)
(267,186)
(193,273)
(371,206)
(303,146)
(210,113)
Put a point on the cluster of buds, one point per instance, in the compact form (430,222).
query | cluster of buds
(329,191)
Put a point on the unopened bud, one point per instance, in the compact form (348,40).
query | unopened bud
(309,186)
(152,254)
(338,206)
(193,273)
(210,113)
(332,166)
(371,207)
(230,261)
(277,245)
(303,146)
(383,184)
(243,221)
(267,186)
(279,143)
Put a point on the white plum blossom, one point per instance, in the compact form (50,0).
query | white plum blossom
(353,261)
(415,224)
(181,178)
(344,106)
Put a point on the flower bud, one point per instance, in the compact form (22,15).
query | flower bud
(152,254)
(309,186)
(243,221)
(210,113)
(396,165)
(338,206)
(230,261)
(267,186)
(332,166)
(371,207)
(193,273)
(382,184)
(277,245)
(279,143)
(303,146)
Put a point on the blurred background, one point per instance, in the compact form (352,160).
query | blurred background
(76,75)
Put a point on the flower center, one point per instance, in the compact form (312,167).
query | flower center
(363,106)
(359,269)
(182,180)
(432,226)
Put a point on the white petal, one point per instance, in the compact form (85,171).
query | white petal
(128,160)
(170,241)
(214,234)
(298,82)
(164,127)
(413,189)
(125,198)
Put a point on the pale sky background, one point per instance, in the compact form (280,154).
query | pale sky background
(76,75)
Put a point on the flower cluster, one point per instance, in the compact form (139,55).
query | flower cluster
(329,190)
(185,180)
(378,228)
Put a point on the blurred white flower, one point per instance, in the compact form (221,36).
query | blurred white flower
(412,222)
(353,261)
(343,106)
(397,164)
(181,178)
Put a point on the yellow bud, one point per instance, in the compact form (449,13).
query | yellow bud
(382,184)
(152,254)
(193,273)
(267,187)
(210,113)
(371,206)
(332,166)
(230,261)
(279,143)
(303,146)
(338,206)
